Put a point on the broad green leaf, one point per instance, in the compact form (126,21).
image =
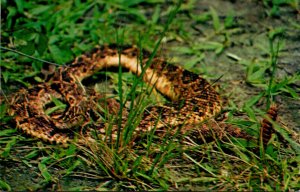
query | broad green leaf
(155,1)
(53,109)
(244,143)
(12,11)
(250,113)
(203,166)
(5,75)
(37,66)
(3,108)
(229,21)
(204,179)
(84,188)
(215,18)
(219,50)
(4,186)
(270,153)
(291,91)
(71,150)
(209,45)
(53,39)
(276,32)
(10,65)
(74,166)
(136,163)
(32,154)
(8,147)
(255,75)
(58,105)
(7,132)
(131,2)
(185,50)
(20,5)
(197,179)
(60,56)
(27,163)
(40,9)
(145,176)
(203,17)
(44,171)
(253,100)
(42,44)
(28,49)
(190,63)
(137,15)
(242,155)
(26,35)
(56,101)
(46,159)
(163,183)
(156,15)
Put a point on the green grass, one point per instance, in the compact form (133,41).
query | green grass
(274,7)
(34,32)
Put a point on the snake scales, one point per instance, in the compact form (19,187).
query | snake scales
(192,98)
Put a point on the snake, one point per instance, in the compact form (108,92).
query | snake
(62,109)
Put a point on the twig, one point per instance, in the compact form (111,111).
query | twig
(31,57)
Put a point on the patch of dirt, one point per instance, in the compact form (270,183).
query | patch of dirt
(250,43)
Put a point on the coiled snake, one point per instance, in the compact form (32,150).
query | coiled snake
(192,98)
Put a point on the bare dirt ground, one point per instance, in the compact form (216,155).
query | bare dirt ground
(250,42)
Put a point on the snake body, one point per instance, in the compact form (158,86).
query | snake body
(191,98)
